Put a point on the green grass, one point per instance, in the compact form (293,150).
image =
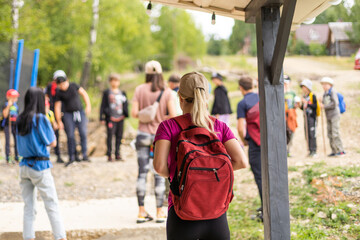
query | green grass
(339,63)
(341,221)
(229,62)
(69,184)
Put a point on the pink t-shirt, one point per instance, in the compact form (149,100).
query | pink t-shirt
(170,130)
(145,97)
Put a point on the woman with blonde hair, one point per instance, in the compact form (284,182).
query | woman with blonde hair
(193,94)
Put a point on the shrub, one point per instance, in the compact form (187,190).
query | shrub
(317,49)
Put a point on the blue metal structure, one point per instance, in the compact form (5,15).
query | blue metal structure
(18,64)
(34,72)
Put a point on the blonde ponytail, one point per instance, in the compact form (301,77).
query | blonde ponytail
(199,112)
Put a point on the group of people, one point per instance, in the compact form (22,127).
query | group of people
(331,102)
(196,151)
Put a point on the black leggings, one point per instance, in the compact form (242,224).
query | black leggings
(178,229)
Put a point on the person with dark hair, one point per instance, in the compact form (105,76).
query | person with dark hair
(248,127)
(221,108)
(68,99)
(150,105)
(113,111)
(50,93)
(35,133)
(174,83)
(10,113)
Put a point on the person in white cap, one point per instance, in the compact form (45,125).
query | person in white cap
(50,92)
(330,103)
(67,100)
(309,106)
(151,103)
(290,113)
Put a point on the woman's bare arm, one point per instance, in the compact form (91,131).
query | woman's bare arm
(162,149)
(237,154)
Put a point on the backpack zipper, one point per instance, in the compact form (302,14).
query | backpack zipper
(207,169)
(184,180)
(183,162)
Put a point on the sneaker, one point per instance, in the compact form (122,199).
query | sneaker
(118,158)
(312,154)
(86,159)
(340,154)
(160,217)
(69,162)
(110,159)
(332,155)
(59,160)
(146,218)
(77,159)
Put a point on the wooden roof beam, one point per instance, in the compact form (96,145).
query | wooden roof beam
(255,6)
(203,3)
(282,40)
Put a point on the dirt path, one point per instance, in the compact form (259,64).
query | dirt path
(102,180)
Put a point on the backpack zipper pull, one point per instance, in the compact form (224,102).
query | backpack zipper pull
(216,175)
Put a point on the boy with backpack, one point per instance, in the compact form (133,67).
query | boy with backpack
(113,111)
(330,103)
(311,109)
(198,154)
(248,126)
(10,113)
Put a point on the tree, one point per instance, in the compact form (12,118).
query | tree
(177,35)
(240,32)
(216,46)
(333,14)
(87,65)
(355,18)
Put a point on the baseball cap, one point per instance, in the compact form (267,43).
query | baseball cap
(306,83)
(190,81)
(59,76)
(153,67)
(217,75)
(327,80)
(12,93)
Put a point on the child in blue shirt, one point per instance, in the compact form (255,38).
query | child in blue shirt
(34,134)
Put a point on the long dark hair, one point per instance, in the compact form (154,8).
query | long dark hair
(34,103)
(157,81)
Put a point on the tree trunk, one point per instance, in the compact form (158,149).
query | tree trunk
(93,30)
(15,6)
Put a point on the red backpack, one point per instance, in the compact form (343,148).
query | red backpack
(202,187)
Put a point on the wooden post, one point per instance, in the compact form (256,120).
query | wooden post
(272,127)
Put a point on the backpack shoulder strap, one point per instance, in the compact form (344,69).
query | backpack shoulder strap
(184,121)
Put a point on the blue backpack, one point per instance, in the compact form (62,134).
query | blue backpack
(342,104)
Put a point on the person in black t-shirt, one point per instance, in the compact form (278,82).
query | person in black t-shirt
(50,93)
(221,108)
(67,99)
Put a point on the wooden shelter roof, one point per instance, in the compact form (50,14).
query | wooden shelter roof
(245,10)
